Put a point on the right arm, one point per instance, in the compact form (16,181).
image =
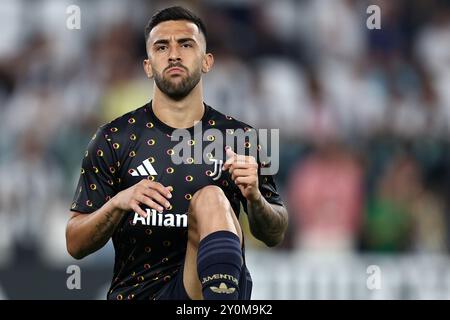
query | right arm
(86,233)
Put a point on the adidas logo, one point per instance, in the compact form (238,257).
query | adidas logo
(222,289)
(145,169)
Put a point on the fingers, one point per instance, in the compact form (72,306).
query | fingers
(136,208)
(243,164)
(157,200)
(245,181)
(143,199)
(236,158)
(238,161)
(158,187)
(229,152)
(243,169)
(152,194)
(231,158)
(237,170)
(243,172)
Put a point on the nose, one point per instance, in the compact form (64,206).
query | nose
(174,55)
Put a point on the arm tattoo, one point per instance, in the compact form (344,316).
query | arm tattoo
(104,229)
(268,223)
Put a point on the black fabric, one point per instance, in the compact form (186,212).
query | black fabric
(149,252)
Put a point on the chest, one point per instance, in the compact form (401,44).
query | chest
(183,165)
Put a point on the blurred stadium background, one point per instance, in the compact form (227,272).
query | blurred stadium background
(363,115)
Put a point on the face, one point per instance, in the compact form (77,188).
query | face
(176,57)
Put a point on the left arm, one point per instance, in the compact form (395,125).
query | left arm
(268,222)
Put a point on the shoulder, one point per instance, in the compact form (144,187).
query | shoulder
(128,119)
(224,121)
(116,133)
(124,123)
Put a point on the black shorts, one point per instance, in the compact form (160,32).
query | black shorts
(175,290)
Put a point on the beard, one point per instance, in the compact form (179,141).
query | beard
(179,90)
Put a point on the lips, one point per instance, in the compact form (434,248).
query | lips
(175,70)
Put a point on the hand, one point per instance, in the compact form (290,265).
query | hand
(152,194)
(244,173)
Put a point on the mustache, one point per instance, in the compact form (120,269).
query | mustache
(175,65)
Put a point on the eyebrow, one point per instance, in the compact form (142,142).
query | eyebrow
(165,41)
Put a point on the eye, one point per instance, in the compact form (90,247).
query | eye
(186,45)
(161,48)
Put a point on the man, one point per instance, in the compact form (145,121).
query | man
(174,226)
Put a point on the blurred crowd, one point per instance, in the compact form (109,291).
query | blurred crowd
(363,114)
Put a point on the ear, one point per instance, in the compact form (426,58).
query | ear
(148,68)
(207,62)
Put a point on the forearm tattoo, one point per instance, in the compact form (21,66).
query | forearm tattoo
(267,222)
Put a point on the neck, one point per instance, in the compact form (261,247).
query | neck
(179,114)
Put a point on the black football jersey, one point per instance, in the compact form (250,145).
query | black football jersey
(136,146)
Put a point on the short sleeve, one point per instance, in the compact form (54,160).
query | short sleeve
(268,189)
(96,184)
(266,182)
